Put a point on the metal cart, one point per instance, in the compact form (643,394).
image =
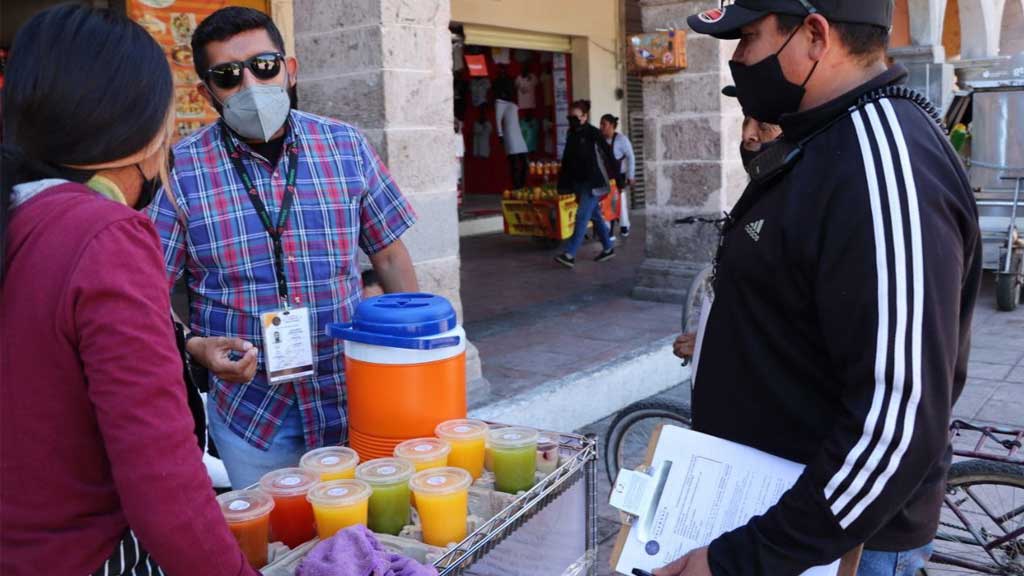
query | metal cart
(521,527)
(551,530)
(996,168)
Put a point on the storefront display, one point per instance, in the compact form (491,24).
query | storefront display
(514,108)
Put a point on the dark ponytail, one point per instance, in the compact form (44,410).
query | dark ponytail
(82,86)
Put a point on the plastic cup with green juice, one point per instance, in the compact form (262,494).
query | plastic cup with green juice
(389,503)
(514,455)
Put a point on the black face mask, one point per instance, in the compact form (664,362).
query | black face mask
(762,88)
(574,123)
(748,155)
(148,190)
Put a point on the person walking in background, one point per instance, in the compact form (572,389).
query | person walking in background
(101,473)
(264,214)
(587,168)
(622,151)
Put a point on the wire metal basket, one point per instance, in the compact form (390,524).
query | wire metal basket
(579,466)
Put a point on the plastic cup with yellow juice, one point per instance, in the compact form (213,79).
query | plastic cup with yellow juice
(442,499)
(467,439)
(424,453)
(389,504)
(514,454)
(331,463)
(247,513)
(338,504)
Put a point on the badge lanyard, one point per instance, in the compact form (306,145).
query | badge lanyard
(275,231)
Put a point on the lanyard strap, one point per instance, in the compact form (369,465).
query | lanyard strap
(274,231)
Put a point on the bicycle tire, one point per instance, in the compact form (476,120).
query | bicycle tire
(694,300)
(629,416)
(952,532)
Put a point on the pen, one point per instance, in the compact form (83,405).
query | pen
(639,572)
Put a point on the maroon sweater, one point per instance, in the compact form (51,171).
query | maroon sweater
(95,432)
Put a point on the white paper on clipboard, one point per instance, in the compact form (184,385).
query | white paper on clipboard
(713,486)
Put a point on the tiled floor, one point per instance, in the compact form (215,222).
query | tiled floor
(535,321)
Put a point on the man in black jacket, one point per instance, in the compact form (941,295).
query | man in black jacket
(844,291)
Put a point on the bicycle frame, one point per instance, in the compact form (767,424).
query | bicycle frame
(1009,451)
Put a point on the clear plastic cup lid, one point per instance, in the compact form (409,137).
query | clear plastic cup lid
(244,505)
(461,429)
(288,482)
(548,440)
(339,493)
(385,471)
(420,449)
(441,481)
(512,437)
(329,459)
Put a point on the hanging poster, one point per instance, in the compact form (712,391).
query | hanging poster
(171,23)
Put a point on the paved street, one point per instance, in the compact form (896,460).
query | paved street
(994,394)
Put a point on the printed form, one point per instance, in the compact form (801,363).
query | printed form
(712,486)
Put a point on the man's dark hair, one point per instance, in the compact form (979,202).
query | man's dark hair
(83,86)
(582,106)
(227,23)
(863,41)
(610,119)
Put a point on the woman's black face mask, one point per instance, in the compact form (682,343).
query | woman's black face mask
(148,190)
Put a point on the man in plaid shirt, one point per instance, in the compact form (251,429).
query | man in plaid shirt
(220,221)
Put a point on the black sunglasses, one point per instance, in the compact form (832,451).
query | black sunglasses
(229,74)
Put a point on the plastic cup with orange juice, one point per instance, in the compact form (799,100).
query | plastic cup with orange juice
(389,503)
(466,438)
(424,453)
(338,504)
(291,520)
(331,463)
(442,499)
(514,454)
(247,513)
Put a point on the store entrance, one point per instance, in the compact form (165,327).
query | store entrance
(510,107)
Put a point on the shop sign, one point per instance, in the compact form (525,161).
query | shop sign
(171,23)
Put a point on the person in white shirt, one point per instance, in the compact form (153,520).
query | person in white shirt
(622,149)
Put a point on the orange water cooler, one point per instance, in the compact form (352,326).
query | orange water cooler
(405,365)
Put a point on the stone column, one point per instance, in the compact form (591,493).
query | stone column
(692,134)
(981,26)
(925,58)
(385,66)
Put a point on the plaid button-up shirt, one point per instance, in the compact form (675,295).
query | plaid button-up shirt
(344,200)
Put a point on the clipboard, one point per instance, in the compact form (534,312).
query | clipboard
(847,566)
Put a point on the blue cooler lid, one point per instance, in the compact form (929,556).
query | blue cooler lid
(403,320)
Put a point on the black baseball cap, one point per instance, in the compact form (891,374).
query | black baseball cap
(725,22)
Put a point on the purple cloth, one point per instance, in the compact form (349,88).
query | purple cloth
(355,551)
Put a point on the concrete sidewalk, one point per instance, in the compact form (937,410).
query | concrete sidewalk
(561,348)
(994,394)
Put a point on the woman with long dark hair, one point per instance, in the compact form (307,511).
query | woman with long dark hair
(100,470)
(588,166)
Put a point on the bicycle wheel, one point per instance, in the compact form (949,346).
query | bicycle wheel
(700,286)
(984,504)
(630,431)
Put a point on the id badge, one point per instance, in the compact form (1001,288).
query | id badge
(288,345)
(705,311)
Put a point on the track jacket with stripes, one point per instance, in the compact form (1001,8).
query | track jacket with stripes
(840,330)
